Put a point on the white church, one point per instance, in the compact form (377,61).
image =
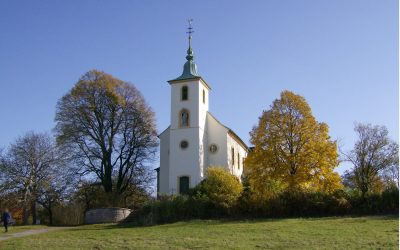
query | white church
(195,139)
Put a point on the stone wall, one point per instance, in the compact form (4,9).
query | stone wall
(106,215)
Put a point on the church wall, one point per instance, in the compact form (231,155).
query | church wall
(184,162)
(236,168)
(164,161)
(203,152)
(217,134)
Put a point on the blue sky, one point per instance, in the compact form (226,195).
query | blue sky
(341,55)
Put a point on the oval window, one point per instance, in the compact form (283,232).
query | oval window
(213,148)
(184,144)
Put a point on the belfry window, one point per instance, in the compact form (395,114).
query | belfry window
(184,93)
(204,96)
(184,119)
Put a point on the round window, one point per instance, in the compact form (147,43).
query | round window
(184,144)
(213,148)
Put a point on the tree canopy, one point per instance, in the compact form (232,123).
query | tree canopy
(292,151)
(109,128)
(374,158)
(29,168)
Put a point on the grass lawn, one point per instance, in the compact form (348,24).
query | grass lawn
(319,233)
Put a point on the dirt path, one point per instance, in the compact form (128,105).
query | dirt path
(10,235)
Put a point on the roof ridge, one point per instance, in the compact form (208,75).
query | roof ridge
(230,131)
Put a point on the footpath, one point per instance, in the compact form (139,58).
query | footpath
(10,235)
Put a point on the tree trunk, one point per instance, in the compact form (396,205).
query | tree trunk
(25,215)
(25,211)
(50,217)
(33,211)
(107,182)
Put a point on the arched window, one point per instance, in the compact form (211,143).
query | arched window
(204,96)
(183,184)
(184,119)
(184,93)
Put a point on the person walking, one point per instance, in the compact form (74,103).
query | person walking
(6,217)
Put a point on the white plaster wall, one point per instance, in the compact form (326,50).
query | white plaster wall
(164,161)
(217,134)
(194,103)
(184,162)
(203,138)
(236,169)
(203,152)
(190,161)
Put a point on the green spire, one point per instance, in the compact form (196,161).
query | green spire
(190,67)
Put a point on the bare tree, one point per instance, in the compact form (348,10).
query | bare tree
(391,175)
(56,188)
(26,166)
(109,129)
(373,154)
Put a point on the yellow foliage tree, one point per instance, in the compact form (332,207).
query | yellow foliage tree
(292,151)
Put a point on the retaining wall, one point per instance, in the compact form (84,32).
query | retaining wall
(106,215)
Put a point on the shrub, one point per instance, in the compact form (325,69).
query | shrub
(390,200)
(376,203)
(221,194)
(69,214)
(174,208)
(212,198)
(220,187)
(295,204)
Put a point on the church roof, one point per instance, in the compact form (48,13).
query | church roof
(163,131)
(231,133)
(190,67)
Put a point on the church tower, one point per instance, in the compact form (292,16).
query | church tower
(189,107)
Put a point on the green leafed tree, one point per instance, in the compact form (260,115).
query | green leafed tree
(109,129)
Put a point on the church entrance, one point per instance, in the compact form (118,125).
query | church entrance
(183,184)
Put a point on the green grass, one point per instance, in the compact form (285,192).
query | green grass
(320,233)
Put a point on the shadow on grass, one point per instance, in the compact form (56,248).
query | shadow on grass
(198,222)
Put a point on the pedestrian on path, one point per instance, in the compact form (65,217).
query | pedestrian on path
(6,217)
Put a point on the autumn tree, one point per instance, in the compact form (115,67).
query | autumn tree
(292,151)
(375,157)
(107,126)
(25,169)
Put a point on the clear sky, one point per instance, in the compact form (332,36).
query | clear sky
(341,55)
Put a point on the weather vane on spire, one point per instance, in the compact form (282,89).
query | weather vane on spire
(190,31)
